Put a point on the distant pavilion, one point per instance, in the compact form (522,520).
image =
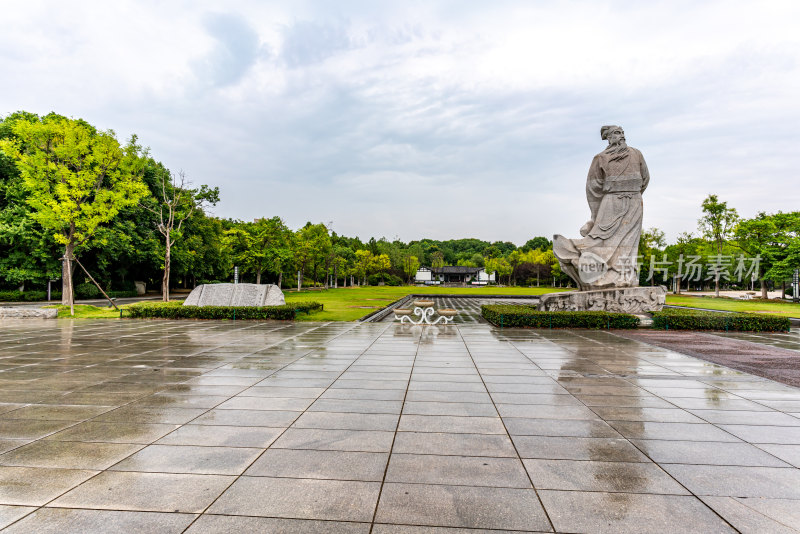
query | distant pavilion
(454,275)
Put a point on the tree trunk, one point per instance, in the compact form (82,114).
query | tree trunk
(783,289)
(764,289)
(165,279)
(716,286)
(335,277)
(67,298)
(280,279)
(258,276)
(678,282)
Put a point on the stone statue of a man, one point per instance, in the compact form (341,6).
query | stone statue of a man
(606,255)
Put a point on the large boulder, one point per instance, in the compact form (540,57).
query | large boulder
(235,295)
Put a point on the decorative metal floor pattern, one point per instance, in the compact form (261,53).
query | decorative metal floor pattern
(469,309)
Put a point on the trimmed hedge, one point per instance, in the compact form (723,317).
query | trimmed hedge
(681,319)
(28,296)
(508,315)
(176,310)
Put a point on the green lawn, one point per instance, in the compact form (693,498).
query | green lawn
(786,309)
(343,304)
(352,303)
(87,311)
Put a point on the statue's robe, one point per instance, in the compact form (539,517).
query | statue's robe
(614,189)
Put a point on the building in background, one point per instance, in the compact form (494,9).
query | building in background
(454,275)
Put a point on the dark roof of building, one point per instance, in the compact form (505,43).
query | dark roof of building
(457,269)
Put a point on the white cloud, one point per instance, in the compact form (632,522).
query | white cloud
(446,119)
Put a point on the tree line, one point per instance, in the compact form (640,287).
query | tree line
(75,204)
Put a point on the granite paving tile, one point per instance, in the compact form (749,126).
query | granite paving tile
(788,453)
(222,524)
(155,492)
(671,431)
(270,418)
(553,427)
(457,470)
(782,435)
(575,448)
(339,465)
(738,481)
(707,452)
(627,477)
(296,498)
(113,432)
(222,436)
(10,514)
(203,460)
(496,445)
(335,440)
(461,506)
(748,520)
(622,513)
(34,486)
(61,520)
(69,455)
(30,429)
(451,424)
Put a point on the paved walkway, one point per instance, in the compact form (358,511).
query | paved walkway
(163,426)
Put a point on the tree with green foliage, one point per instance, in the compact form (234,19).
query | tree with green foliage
(775,239)
(258,247)
(363,264)
(437,259)
(77,178)
(717,223)
(410,265)
(312,245)
(381,264)
(499,265)
(173,205)
(28,254)
(342,263)
(537,243)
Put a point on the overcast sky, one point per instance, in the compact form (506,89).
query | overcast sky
(429,119)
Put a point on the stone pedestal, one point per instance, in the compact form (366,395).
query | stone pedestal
(622,300)
(235,295)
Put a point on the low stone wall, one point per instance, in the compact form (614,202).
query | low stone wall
(25,313)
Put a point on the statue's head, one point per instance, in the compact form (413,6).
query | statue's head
(614,134)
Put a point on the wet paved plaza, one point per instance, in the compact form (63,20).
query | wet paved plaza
(164,426)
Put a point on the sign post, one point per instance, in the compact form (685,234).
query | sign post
(796,286)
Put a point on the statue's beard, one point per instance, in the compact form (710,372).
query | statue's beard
(616,147)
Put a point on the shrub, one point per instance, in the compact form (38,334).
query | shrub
(11,296)
(680,319)
(87,291)
(508,315)
(28,296)
(176,310)
(388,279)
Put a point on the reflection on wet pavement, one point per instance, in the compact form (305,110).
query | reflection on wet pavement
(381,427)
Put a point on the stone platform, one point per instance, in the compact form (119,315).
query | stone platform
(620,300)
